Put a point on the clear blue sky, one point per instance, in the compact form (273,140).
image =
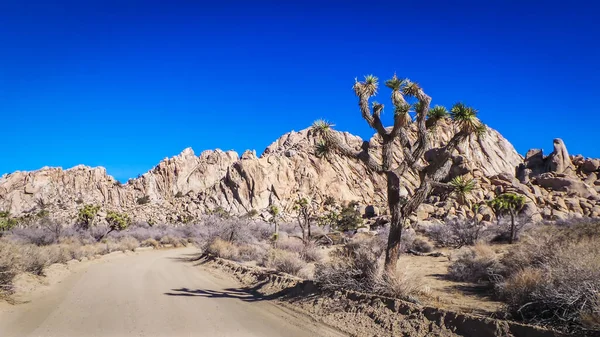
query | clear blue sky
(123,84)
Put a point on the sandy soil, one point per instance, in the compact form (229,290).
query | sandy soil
(154,293)
(430,272)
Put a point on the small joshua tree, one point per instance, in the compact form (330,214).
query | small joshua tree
(6,222)
(274,211)
(305,215)
(427,120)
(511,204)
(116,222)
(87,215)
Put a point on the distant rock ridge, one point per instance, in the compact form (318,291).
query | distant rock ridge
(187,185)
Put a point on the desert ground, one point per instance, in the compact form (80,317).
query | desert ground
(150,293)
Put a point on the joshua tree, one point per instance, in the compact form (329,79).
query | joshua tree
(87,215)
(305,216)
(116,222)
(397,138)
(274,211)
(6,222)
(511,204)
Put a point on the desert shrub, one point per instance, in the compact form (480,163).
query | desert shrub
(553,276)
(57,253)
(421,246)
(500,232)
(408,237)
(35,236)
(252,213)
(294,245)
(353,266)
(9,262)
(456,233)
(6,222)
(150,243)
(109,245)
(128,243)
(252,252)
(311,253)
(223,249)
(349,217)
(284,261)
(358,266)
(402,285)
(171,240)
(32,259)
(472,264)
(239,231)
(143,200)
(179,194)
(440,234)
(90,251)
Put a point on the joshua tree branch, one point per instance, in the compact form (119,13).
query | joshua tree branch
(342,148)
(372,119)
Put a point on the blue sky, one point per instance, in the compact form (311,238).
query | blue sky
(123,84)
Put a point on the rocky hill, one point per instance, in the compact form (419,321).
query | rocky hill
(186,186)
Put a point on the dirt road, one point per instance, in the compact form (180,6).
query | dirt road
(154,293)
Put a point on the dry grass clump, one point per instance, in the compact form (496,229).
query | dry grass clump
(150,243)
(284,261)
(128,243)
(403,285)
(9,262)
(170,240)
(223,249)
(311,253)
(252,252)
(473,264)
(553,276)
(353,266)
(358,266)
(422,246)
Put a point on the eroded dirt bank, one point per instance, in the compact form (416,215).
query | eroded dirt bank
(367,315)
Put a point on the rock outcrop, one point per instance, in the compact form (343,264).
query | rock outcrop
(186,186)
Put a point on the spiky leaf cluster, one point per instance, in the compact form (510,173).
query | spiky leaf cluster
(87,214)
(465,117)
(437,113)
(462,187)
(507,203)
(368,87)
(321,125)
(117,221)
(322,149)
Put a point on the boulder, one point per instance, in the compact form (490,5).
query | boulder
(572,186)
(559,160)
(590,165)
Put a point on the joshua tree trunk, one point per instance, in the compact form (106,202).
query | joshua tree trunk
(392,253)
(105,234)
(397,138)
(512,227)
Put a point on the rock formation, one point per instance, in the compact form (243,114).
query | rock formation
(186,186)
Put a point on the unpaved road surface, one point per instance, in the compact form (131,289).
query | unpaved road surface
(154,293)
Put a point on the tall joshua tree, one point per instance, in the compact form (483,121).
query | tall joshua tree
(401,205)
